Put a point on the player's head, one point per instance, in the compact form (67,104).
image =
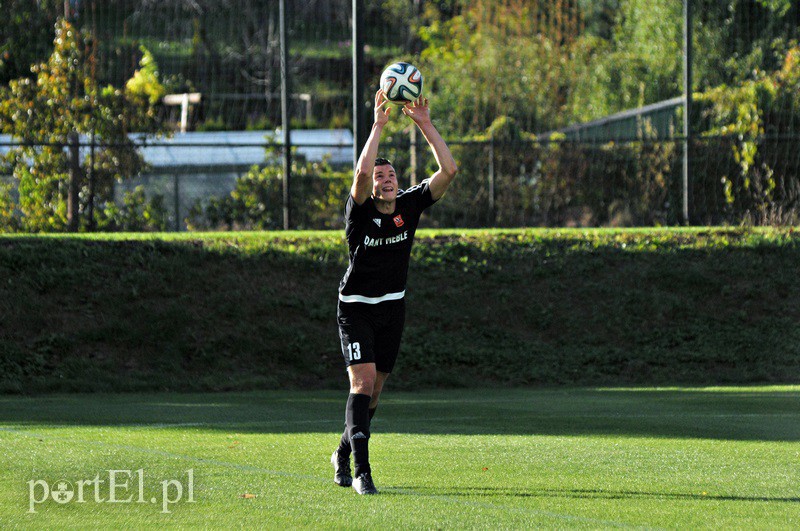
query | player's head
(384,180)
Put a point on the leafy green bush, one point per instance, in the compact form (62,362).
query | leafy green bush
(8,222)
(755,121)
(485,307)
(136,214)
(318,193)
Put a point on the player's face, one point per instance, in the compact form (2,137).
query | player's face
(384,183)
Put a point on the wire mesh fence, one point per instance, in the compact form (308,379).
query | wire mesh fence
(239,186)
(559,114)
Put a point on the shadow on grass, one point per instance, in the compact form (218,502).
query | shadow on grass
(767,414)
(413,490)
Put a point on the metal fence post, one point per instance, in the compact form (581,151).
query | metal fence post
(359,129)
(176,182)
(687,107)
(91,179)
(73,198)
(492,214)
(285,92)
(413,155)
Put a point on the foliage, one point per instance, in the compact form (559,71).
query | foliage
(26,29)
(516,46)
(498,70)
(257,200)
(751,115)
(145,83)
(8,222)
(567,306)
(615,55)
(734,40)
(64,100)
(638,63)
(556,182)
(136,214)
(552,71)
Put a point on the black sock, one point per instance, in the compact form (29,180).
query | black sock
(357,419)
(344,442)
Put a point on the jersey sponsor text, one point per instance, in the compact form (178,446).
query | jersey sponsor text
(376,242)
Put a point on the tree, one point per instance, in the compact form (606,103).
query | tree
(46,113)
(27,26)
(741,38)
(509,58)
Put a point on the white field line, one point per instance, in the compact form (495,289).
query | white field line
(260,470)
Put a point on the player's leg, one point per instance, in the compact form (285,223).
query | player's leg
(362,384)
(380,379)
(372,380)
(342,453)
(387,347)
(356,331)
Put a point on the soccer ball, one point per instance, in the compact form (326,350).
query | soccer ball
(401,82)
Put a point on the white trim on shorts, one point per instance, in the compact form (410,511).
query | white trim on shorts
(372,300)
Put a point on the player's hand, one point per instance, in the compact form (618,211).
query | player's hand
(418,110)
(382,108)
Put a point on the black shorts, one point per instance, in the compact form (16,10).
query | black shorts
(371,333)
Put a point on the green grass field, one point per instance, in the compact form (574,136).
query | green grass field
(514,458)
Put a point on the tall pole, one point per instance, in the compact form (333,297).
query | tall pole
(359,130)
(492,214)
(73,194)
(286,126)
(687,106)
(414,156)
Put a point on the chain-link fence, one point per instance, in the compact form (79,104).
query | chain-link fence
(500,184)
(570,116)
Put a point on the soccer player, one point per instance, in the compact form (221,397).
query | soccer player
(380,222)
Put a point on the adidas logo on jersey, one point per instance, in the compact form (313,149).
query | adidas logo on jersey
(377,221)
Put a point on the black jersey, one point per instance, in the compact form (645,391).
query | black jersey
(380,246)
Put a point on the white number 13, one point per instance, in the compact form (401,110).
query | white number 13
(354,349)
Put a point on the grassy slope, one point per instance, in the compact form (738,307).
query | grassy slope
(238,311)
(452,459)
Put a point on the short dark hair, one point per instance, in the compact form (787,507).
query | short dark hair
(380,161)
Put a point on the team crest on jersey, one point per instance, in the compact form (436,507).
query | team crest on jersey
(377,221)
(398,220)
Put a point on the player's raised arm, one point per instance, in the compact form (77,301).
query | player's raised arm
(362,180)
(419,112)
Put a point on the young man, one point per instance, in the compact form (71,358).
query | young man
(380,222)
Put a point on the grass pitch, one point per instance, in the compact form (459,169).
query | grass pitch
(519,458)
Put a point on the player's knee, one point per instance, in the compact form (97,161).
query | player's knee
(362,379)
(364,385)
